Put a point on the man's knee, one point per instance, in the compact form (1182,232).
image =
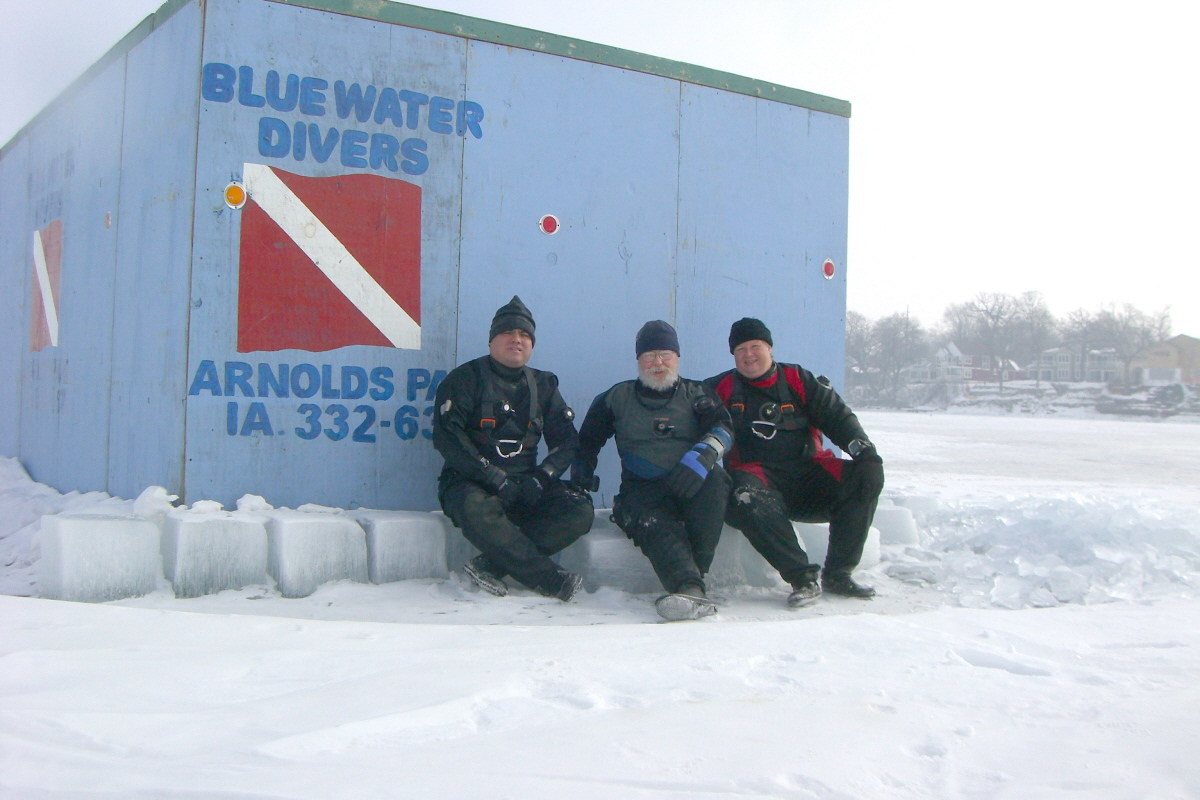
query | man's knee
(754,505)
(467,503)
(571,509)
(645,526)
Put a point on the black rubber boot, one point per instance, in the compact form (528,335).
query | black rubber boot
(479,570)
(805,591)
(686,602)
(571,583)
(841,583)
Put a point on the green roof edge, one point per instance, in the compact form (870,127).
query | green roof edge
(127,43)
(527,39)
(481,30)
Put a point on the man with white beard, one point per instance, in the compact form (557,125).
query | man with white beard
(671,433)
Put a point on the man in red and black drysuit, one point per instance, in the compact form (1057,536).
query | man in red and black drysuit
(781,472)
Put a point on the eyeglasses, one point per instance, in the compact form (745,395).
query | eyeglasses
(665,356)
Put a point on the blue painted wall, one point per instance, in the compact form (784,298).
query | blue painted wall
(357,461)
(150,324)
(74,171)
(15,273)
(676,201)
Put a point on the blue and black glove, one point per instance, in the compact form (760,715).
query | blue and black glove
(685,478)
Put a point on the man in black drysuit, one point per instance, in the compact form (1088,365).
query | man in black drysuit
(781,472)
(671,433)
(489,416)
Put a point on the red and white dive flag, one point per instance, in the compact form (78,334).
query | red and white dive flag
(47,267)
(328,262)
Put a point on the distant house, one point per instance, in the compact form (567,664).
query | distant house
(1177,360)
(1070,363)
(951,365)
(954,366)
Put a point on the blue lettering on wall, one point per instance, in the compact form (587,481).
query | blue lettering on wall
(384,388)
(415,161)
(414,101)
(268,385)
(299,141)
(440,116)
(246,95)
(354,383)
(277,138)
(257,421)
(311,382)
(237,376)
(274,137)
(353,149)
(384,148)
(321,150)
(470,114)
(327,390)
(355,423)
(206,378)
(312,96)
(353,98)
(217,82)
(417,379)
(291,96)
(388,108)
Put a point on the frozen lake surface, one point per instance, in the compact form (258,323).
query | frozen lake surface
(1043,641)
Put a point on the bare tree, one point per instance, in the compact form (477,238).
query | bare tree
(1081,328)
(995,317)
(900,341)
(1129,331)
(958,326)
(861,348)
(1035,327)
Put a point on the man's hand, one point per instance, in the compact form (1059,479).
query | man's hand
(685,478)
(531,485)
(868,467)
(583,479)
(506,488)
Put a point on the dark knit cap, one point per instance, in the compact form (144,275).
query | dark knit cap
(512,317)
(747,329)
(657,335)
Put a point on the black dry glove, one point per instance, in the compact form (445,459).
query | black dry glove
(507,489)
(531,486)
(686,477)
(583,479)
(868,467)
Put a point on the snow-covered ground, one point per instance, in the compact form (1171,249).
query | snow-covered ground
(1042,642)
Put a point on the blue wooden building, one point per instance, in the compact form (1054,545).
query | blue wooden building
(241,250)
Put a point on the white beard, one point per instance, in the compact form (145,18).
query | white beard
(661,382)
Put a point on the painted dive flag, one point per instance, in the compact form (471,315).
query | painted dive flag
(47,268)
(328,262)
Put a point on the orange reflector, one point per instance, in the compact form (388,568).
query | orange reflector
(235,195)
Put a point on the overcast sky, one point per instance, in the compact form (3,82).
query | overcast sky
(1006,146)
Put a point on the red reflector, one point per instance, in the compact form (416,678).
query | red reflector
(548,224)
(827,269)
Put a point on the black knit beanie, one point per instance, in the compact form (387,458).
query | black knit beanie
(513,317)
(747,329)
(656,335)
